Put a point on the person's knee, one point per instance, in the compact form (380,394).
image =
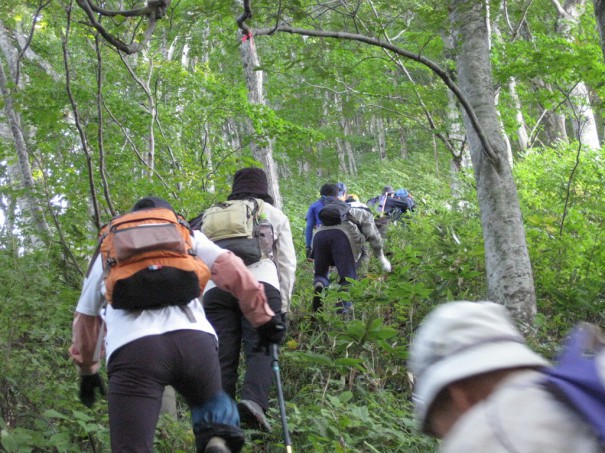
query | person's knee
(217,417)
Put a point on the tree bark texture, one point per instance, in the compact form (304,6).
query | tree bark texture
(509,274)
(599,11)
(254,82)
(28,204)
(584,124)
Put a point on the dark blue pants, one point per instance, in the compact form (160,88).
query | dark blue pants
(233,329)
(332,248)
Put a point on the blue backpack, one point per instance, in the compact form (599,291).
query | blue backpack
(578,377)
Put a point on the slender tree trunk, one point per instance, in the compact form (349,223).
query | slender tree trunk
(509,275)
(403,143)
(377,128)
(254,82)
(461,157)
(522,137)
(348,149)
(27,203)
(599,11)
(584,124)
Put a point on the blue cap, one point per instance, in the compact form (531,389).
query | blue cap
(342,189)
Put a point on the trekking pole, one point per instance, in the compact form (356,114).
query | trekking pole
(280,396)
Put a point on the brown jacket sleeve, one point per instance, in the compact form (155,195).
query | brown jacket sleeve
(229,273)
(87,342)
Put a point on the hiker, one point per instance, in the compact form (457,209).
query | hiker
(166,344)
(339,243)
(312,216)
(224,312)
(406,197)
(480,388)
(388,209)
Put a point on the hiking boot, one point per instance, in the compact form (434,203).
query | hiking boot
(253,416)
(217,445)
(317,290)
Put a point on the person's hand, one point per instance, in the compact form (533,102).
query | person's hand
(88,384)
(272,332)
(385,263)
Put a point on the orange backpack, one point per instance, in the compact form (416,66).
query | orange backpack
(149,261)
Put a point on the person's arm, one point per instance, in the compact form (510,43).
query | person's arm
(365,221)
(88,329)
(309,227)
(286,259)
(229,273)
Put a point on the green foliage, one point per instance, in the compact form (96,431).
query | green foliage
(345,380)
(560,192)
(38,398)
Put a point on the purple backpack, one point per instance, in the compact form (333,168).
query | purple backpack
(578,377)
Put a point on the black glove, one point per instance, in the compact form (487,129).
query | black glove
(284,320)
(88,383)
(271,332)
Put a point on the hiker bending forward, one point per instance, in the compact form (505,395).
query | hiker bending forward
(149,349)
(224,310)
(341,246)
(481,389)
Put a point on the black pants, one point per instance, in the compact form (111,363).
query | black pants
(233,329)
(138,373)
(332,248)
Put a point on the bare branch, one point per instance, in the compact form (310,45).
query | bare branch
(155,10)
(74,107)
(100,138)
(41,6)
(241,20)
(440,72)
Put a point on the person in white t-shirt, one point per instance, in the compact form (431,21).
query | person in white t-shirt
(149,349)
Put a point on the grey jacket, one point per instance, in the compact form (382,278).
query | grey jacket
(360,228)
(520,416)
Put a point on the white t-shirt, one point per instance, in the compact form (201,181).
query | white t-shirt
(124,326)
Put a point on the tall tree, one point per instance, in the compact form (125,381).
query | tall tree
(509,273)
(263,152)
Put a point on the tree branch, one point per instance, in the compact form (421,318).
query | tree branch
(74,107)
(41,6)
(440,72)
(100,137)
(154,10)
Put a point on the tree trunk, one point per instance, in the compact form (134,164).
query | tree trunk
(522,136)
(584,124)
(254,82)
(377,129)
(509,275)
(599,11)
(30,207)
(461,158)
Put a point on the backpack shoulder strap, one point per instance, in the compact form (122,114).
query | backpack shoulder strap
(577,379)
(259,206)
